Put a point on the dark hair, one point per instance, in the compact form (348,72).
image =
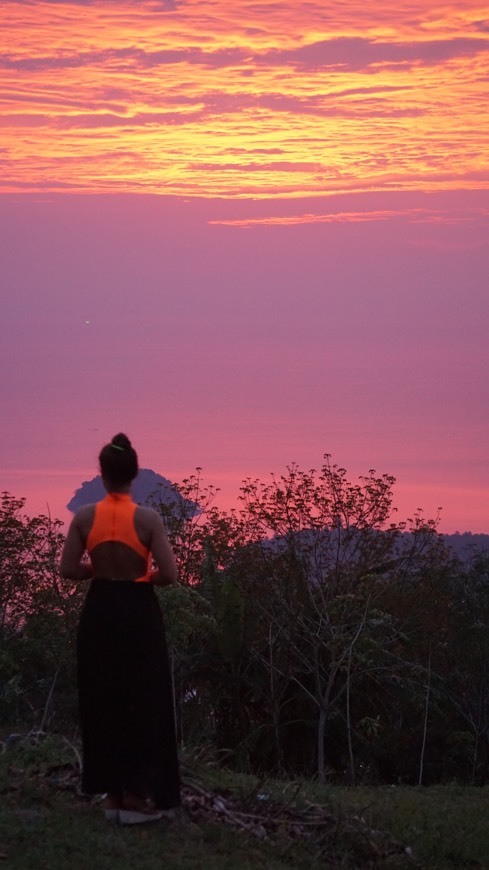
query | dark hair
(118,460)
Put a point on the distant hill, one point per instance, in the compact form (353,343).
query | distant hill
(148,488)
(467,545)
(328,542)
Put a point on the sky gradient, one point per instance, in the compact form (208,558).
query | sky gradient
(247,234)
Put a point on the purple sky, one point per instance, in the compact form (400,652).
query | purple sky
(242,349)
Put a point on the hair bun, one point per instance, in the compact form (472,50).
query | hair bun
(118,461)
(121,441)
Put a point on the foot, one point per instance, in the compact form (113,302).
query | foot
(132,801)
(136,810)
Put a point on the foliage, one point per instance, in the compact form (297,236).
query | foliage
(311,634)
(38,616)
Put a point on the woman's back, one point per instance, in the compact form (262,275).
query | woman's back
(119,539)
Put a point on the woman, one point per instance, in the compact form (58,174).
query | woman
(124,681)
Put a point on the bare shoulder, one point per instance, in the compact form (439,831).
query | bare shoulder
(83,518)
(85,512)
(148,516)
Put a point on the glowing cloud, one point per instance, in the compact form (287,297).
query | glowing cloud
(243,99)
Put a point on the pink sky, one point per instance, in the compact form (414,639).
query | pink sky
(246,235)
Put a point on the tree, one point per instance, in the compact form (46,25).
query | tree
(38,614)
(329,533)
(466,683)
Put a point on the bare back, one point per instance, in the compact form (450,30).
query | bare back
(117,559)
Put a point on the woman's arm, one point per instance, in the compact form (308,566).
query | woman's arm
(162,552)
(71,566)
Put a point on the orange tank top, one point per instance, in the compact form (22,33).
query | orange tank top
(114,521)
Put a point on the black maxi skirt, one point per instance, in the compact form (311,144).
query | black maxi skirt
(125,694)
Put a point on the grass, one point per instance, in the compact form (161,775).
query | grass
(447,826)
(45,826)
(40,829)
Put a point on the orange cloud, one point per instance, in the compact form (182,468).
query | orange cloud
(414,215)
(195,98)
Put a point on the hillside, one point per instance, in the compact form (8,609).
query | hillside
(465,546)
(148,488)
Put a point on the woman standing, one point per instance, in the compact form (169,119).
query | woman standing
(124,681)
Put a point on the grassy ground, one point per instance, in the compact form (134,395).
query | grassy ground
(45,824)
(446,826)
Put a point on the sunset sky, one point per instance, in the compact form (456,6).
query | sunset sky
(247,234)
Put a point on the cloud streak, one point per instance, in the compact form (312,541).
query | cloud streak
(348,53)
(355,53)
(413,215)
